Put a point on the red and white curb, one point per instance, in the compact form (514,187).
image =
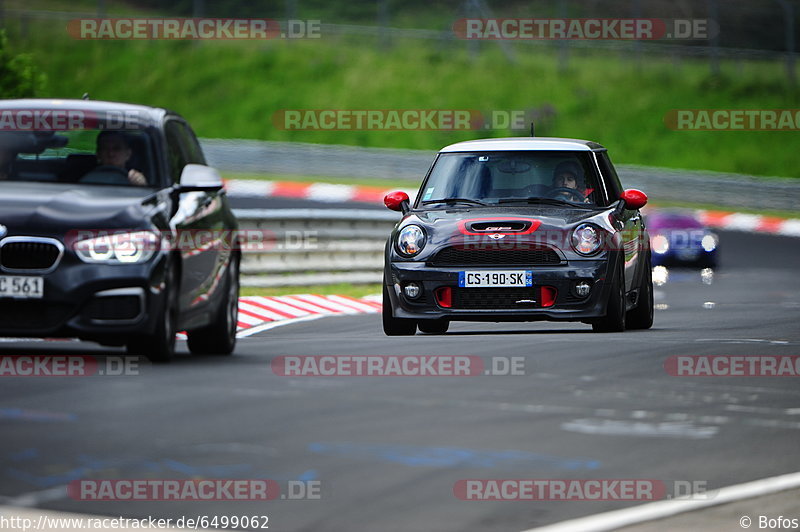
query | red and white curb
(751,223)
(259,313)
(324,192)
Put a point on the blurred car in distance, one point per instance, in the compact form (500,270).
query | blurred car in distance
(679,238)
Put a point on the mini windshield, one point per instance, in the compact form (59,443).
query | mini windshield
(516,177)
(85,156)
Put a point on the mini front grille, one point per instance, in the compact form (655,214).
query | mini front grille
(467,256)
(31,254)
(495,298)
(499,227)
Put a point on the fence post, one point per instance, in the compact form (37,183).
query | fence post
(291,10)
(383,23)
(473,45)
(788,11)
(713,14)
(563,44)
(636,9)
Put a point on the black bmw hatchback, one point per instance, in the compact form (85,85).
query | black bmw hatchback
(113,229)
(518,229)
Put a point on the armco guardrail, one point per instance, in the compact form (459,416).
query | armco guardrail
(314,246)
(661,184)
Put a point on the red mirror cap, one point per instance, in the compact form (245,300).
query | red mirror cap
(634,199)
(394,200)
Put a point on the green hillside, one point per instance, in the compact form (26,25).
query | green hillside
(233,90)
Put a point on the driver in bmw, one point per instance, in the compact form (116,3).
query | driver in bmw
(568,174)
(113,149)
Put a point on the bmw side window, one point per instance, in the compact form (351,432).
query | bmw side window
(175,153)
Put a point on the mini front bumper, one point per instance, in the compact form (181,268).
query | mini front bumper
(567,306)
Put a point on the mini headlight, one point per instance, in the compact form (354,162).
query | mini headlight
(586,239)
(410,240)
(118,248)
(660,244)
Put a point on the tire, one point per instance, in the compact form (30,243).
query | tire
(395,326)
(219,338)
(159,347)
(614,320)
(439,326)
(641,317)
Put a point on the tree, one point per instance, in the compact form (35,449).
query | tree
(19,75)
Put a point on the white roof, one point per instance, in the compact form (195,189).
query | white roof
(523,144)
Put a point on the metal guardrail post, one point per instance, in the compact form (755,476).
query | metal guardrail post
(789,21)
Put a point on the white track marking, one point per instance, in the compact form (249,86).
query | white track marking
(661,509)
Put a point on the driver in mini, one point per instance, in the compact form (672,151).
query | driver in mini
(113,149)
(569,174)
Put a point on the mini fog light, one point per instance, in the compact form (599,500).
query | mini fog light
(412,290)
(582,289)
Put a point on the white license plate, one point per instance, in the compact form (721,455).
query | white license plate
(21,286)
(494,278)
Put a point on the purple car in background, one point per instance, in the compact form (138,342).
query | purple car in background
(678,238)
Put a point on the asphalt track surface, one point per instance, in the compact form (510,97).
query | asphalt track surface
(387,451)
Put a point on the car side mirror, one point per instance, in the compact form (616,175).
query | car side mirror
(634,199)
(397,201)
(199,178)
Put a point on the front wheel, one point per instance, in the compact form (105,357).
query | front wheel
(160,346)
(641,317)
(219,338)
(395,326)
(614,320)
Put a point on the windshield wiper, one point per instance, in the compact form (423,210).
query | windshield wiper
(454,200)
(545,201)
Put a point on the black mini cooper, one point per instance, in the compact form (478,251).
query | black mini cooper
(113,229)
(518,229)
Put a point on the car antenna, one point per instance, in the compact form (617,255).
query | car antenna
(85,96)
(533,134)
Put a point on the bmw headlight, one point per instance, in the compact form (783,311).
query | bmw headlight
(410,240)
(587,239)
(118,248)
